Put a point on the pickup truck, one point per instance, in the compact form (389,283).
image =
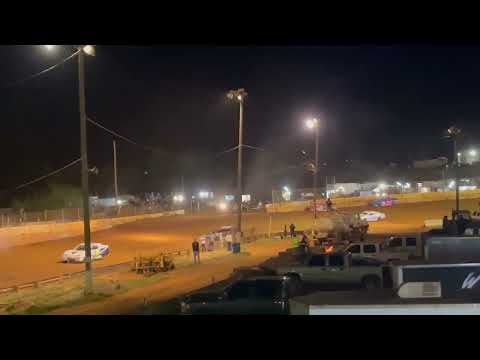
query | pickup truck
(334,269)
(375,251)
(255,295)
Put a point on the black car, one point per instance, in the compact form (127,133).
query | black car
(256,295)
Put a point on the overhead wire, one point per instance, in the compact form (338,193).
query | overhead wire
(30,77)
(44,176)
(120,136)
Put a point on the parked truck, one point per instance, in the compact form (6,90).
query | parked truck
(333,269)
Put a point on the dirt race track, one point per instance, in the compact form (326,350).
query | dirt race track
(38,261)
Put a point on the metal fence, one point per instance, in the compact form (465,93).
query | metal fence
(72,214)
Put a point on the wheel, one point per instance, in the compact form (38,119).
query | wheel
(370,283)
(296,282)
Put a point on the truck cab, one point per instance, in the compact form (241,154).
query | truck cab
(376,251)
(410,244)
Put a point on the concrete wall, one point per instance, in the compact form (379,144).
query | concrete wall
(364,200)
(29,234)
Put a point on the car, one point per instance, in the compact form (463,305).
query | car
(255,295)
(372,216)
(77,254)
(388,201)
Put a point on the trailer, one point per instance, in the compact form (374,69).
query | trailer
(418,289)
(383,302)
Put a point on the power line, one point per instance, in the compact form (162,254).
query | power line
(47,175)
(121,136)
(13,83)
(236,147)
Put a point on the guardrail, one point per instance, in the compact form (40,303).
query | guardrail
(115,267)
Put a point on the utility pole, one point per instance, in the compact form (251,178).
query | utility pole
(454,133)
(239,95)
(115,184)
(457,188)
(313,124)
(316,172)
(239,168)
(85,196)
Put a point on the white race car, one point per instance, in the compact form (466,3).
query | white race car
(371,216)
(99,251)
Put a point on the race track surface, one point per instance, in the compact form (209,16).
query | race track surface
(39,261)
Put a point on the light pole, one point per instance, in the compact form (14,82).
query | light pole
(239,96)
(82,51)
(453,133)
(313,124)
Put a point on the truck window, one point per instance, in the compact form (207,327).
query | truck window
(240,290)
(336,260)
(411,241)
(369,249)
(317,260)
(395,242)
(354,249)
(268,289)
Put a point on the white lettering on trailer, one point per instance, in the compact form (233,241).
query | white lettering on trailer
(470,281)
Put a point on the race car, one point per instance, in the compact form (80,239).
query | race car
(371,216)
(388,201)
(77,254)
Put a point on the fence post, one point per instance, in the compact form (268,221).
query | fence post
(63,215)
(270,228)
(78,213)
(45,215)
(8,220)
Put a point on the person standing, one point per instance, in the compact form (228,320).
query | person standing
(196,251)
(229,241)
(304,243)
(445,223)
(292,231)
(285,233)
(204,244)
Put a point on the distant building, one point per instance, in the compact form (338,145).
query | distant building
(431,163)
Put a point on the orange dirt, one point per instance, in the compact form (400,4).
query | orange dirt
(22,264)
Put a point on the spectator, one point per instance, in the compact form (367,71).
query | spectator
(196,251)
(285,233)
(445,223)
(329,204)
(304,243)
(229,241)
(204,244)
(292,231)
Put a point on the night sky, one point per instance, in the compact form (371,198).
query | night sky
(376,105)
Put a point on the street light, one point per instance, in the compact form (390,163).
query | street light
(473,153)
(239,96)
(82,51)
(313,124)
